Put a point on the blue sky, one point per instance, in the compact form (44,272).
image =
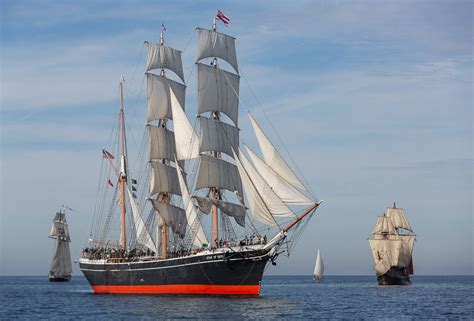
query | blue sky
(372,99)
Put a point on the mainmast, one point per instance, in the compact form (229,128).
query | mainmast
(123,174)
(218,94)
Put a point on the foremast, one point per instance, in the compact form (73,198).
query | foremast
(168,148)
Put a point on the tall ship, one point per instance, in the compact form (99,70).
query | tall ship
(392,247)
(61,267)
(318,273)
(200,212)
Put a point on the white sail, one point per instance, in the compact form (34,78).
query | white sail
(274,204)
(230,209)
(160,57)
(389,248)
(319,266)
(187,141)
(218,91)
(163,179)
(272,158)
(216,172)
(218,136)
(215,44)
(259,209)
(158,95)
(162,144)
(288,194)
(384,225)
(140,229)
(383,265)
(172,216)
(398,218)
(406,250)
(195,226)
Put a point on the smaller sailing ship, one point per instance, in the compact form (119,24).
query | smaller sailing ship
(61,268)
(392,248)
(318,267)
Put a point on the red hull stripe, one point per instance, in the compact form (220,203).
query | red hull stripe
(179,289)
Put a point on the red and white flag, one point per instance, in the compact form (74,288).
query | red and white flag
(222,17)
(107,155)
(110,182)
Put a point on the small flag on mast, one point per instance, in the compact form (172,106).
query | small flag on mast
(163,27)
(110,182)
(134,181)
(222,17)
(107,155)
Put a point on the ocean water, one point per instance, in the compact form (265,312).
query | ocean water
(282,297)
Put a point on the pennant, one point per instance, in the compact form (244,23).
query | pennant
(134,181)
(110,182)
(222,17)
(134,189)
(106,154)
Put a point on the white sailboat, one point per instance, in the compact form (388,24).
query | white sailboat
(318,267)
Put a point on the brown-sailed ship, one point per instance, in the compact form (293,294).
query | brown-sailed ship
(212,216)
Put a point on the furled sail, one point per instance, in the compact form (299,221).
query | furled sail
(218,136)
(140,229)
(216,172)
(187,141)
(195,226)
(163,179)
(215,44)
(272,158)
(161,57)
(259,209)
(288,194)
(398,218)
(274,204)
(172,216)
(319,266)
(230,209)
(162,144)
(218,91)
(159,100)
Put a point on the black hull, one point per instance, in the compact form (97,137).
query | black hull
(65,278)
(395,276)
(230,273)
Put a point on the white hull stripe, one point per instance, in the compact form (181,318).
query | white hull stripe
(171,266)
